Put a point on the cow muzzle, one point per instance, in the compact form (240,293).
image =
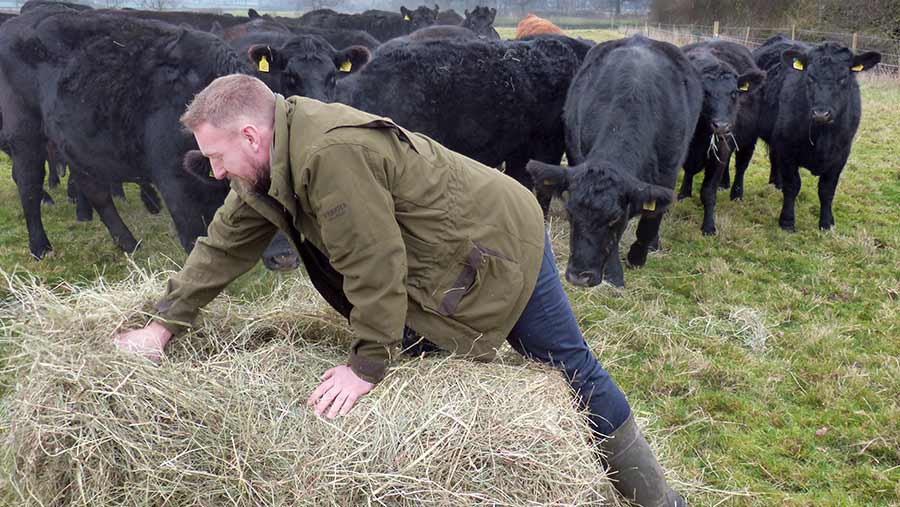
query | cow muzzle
(822,116)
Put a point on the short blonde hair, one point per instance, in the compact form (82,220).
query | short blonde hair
(229,99)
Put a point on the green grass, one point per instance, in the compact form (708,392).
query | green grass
(740,347)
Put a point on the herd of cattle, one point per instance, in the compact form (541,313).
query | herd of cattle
(100,92)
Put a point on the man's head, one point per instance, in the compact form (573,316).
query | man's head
(232,120)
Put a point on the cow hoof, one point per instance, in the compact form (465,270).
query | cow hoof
(683,195)
(709,231)
(788,227)
(40,251)
(637,257)
(826,226)
(724,186)
(737,195)
(129,246)
(46,200)
(84,217)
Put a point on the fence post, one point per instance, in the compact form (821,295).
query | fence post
(747,37)
(646,29)
(855,40)
(715,29)
(793,32)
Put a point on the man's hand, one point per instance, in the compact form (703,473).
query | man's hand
(340,388)
(148,341)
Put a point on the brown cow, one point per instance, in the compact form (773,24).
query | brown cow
(534,25)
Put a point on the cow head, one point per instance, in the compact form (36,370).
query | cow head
(480,20)
(419,18)
(601,201)
(723,89)
(828,75)
(306,65)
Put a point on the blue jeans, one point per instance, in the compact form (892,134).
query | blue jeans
(548,332)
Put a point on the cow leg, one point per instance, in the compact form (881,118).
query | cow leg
(84,212)
(116,190)
(775,176)
(647,233)
(28,173)
(150,199)
(100,197)
(46,198)
(827,185)
(693,163)
(790,177)
(741,162)
(711,178)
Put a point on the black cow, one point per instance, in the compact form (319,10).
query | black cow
(442,32)
(730,107)
(812,111)
(481,21)
(629,115)
(304,65)
(204,21)
(108,90)
(448,17)
(493,101)
(383,25)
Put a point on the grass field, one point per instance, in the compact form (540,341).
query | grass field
(767,362)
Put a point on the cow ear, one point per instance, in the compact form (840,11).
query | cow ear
(405,12)
(352,59)
(466,12)
(793,59)
(548,177)
(263,57)
(437,9)
(172,48)
(493,14)
(651,199)
(252,13)
(865,61)
(751,80)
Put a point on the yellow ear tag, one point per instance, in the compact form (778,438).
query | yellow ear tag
(798,64)
(405,18)
(744,87)
(649,206)
(346,66)
(263,64)
(857,68)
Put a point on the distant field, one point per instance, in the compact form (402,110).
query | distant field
(768,362)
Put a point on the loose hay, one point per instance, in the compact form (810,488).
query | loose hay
(223,421)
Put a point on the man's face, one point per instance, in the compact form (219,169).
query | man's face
(235,153)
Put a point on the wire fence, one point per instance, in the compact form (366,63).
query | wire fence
(756,36)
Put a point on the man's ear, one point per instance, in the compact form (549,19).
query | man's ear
(548,177)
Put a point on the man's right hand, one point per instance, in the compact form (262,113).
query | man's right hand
(148,341)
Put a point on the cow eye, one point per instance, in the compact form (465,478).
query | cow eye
(734,94)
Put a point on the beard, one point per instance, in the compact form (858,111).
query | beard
(260,184)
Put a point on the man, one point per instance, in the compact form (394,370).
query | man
(394,230)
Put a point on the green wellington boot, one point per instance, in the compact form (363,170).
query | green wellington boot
(634,470)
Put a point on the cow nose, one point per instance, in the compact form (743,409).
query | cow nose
(282,262)
(583,278)
(822,116)
(721,127)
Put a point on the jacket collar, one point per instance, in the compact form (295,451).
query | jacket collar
(281,187)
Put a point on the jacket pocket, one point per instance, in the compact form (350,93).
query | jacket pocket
(479,288)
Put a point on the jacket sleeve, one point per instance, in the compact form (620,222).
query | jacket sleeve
(348,192)
(236,238)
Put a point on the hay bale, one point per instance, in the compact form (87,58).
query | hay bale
(223,420)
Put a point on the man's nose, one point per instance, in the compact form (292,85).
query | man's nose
(218,172)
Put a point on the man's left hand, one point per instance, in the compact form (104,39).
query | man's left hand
(339,390)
